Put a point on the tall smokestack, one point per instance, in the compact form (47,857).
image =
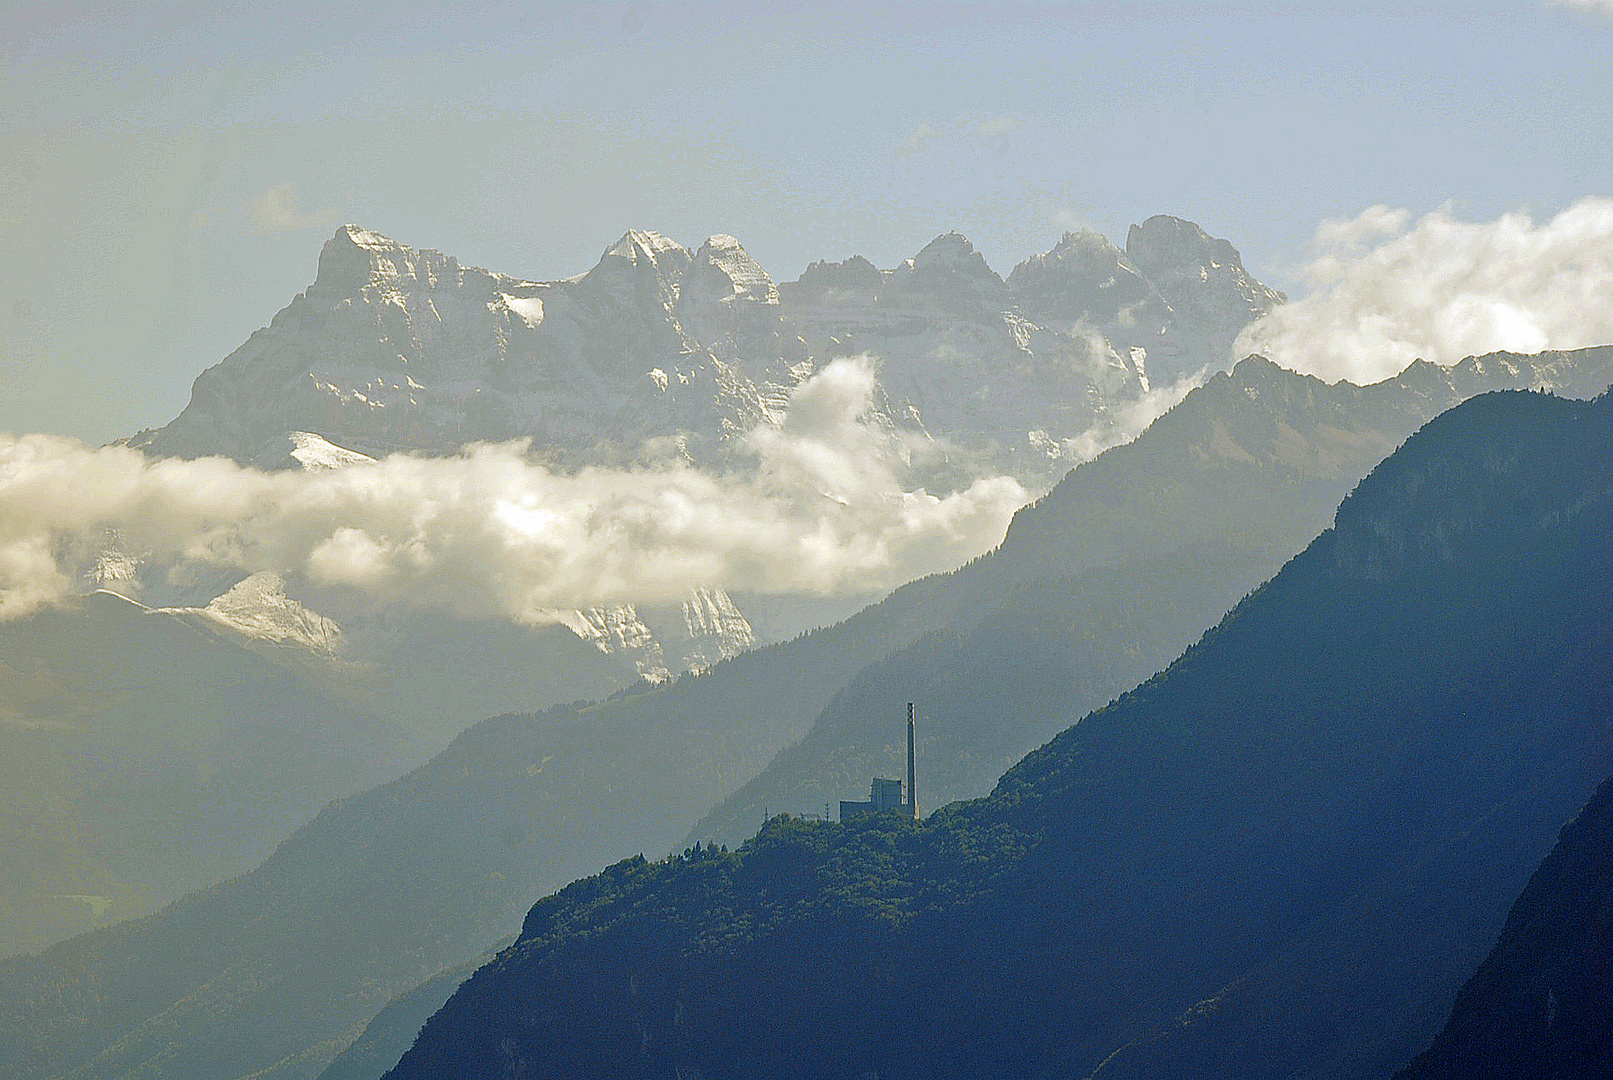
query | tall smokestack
(912,777)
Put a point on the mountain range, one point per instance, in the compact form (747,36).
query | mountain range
(1114,572)
(658,345)
(661,351)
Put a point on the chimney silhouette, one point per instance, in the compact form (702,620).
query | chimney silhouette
(912,777)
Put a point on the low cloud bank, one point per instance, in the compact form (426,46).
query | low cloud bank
(1386,292)
(489,533)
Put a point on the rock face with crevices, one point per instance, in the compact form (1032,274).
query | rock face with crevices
(659,348)
(661,352)
(1202,278)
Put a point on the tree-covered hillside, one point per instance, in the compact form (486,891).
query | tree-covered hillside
(1412,706)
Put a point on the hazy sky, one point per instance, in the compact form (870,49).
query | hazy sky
(168,172)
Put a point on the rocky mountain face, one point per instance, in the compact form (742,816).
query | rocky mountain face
(1212,297)
(659,350)
(1540,1004)
(1375,747)
(689,638)
(520,805)
(1174,300)
(392,348)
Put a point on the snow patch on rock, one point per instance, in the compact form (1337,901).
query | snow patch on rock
(258,608)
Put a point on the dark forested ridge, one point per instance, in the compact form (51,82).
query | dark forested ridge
(1541,1005)
(1118,569)
(1424,691)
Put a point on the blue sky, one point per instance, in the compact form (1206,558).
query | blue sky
(168,172)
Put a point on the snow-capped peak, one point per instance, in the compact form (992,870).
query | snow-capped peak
(952,250)
(359,236)
(640,244)
(722,262)
(949,268)
(258,608)
(356,259)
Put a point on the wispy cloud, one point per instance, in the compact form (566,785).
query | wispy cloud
(1070,219)
(1384,294)
(490,533)
(919,139)
(1602,8)
(276,211)
(976,128)
(1126,422)
(995,127)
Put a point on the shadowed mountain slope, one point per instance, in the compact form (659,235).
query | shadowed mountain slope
(1119,568)
(143,757)
(394,1028)
(1425,689)
(1541,1004)
(281,968)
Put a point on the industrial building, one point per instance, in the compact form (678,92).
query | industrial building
(888,795)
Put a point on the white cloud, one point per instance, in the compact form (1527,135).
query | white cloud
(1373,222)
(1604,8)
(276,211)
(1384,294)
(490,533)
